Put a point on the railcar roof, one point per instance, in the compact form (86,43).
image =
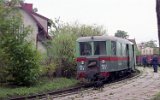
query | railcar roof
(102,38)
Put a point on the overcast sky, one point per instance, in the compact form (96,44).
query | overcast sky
(137,17)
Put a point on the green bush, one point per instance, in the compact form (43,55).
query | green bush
(48,70)
(63,53)
(24,64)
(18,59)
(3,66)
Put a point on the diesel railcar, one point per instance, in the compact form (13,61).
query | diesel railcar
(105,56)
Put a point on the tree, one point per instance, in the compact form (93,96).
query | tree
(158,20)
(137,52)
(21,60)
(150,43)
(121,34)
(79,30)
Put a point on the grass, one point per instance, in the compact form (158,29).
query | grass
(41,87)
(156,97)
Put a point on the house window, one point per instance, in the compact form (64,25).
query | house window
(143,51)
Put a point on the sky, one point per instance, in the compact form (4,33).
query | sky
(136,17)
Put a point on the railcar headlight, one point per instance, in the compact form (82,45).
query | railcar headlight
(82,62)
(103,61)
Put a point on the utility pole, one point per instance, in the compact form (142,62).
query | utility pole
(158,20)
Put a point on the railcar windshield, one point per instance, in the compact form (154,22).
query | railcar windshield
(98,48)
(85,48)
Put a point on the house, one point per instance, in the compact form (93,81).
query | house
(156,50)
(38,23)
(147,51)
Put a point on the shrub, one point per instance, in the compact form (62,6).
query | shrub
(23,61)
(63,53)
(24,64)
(48,70)
(18,59)
(3,66)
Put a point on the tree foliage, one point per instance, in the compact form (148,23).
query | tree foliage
(80,30)
(19,60)
(150,43)
(63,53)
(137,52)
(121,34)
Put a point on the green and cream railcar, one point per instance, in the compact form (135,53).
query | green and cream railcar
(103,56)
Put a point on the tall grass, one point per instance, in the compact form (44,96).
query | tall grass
(43,86)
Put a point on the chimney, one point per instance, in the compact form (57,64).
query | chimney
(28,6)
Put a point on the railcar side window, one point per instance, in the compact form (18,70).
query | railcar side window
(85,48)
(99,47)
(113,47)
(119,47)
(123,49)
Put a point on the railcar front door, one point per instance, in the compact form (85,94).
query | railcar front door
(92,68)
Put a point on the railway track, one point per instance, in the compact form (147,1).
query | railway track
(42,95)
(75,90)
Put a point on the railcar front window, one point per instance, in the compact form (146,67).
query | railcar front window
(85,48)
(99,48)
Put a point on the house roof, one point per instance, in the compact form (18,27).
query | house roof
(28,7)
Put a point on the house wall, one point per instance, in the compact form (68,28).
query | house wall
(147,51)
(29,21)
(41,48)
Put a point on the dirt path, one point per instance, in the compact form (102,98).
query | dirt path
(141,88)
